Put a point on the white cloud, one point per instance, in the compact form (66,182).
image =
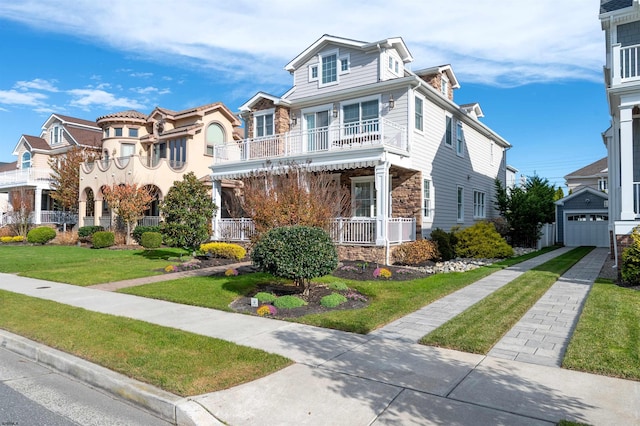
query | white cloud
(491,41)
(13,97)
(141,74)
(89,98)
(37,84)
(150,89)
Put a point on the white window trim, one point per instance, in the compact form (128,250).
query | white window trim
(323,55)
(362,179)
(56,131)
(429,216)
(344,58)
(311,67)
(444,84)
(415,128)
(459,138)
(213,146)
(359,101)
(452,121)
(262,113)
(459,211)
(483,213)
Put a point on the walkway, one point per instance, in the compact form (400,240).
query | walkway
(543,333)
(414,326)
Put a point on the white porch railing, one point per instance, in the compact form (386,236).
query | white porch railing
(377,132)
(342,230)
(24,176)
(626,63)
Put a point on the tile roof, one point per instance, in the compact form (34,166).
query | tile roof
(611,5)
(131,113)
(593,169)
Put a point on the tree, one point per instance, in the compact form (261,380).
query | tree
(526,209)
(65,175)
(293,196)
(559,194)
(187,210)
(21,201)
(128,202)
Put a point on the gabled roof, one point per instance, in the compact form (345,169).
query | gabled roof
(595,169)
(32,143)
(195,111)
(85,137)
(473,108)
(246,107)
(65,119)
(611,5)
(395,42)
(453,80)
(581,191)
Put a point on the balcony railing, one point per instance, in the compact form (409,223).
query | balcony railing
(377,132)
(24,176)
(342,230)
(626,63)
(46,216)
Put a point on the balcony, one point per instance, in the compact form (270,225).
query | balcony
(352,136)
(626,64)
(361,231)
(24,177)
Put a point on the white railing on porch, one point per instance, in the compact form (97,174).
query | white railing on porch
(376,132)
(22,176)
(342,230)
(626,63)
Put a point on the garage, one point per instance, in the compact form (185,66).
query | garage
(583,219)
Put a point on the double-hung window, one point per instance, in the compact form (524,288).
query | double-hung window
(460,202)
(419,114)
(426,198)
(459,139)
(448,133)
(329,68)
(479,210)
(56,135)
(264,125)
(360,117)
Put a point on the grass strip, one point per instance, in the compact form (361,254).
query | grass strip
(388,300)
(480,327)
(607,338)
(83,266)
(177,361)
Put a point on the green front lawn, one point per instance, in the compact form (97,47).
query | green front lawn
(176,361)
(480,327)
(83,266)
(607,337)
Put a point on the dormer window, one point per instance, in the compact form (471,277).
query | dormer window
(55,135)
(329,67)
(26,160)
(444,85)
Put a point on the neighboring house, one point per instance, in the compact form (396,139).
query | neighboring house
(594,175)
(32,171)
(582,218)
(413,159)
(152,151)
(511,177)
(4,196)
(620,20)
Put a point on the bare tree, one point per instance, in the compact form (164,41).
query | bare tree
(21,201)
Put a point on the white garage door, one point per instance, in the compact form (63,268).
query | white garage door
(586,229)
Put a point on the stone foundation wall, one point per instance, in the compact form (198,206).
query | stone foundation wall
(365,253)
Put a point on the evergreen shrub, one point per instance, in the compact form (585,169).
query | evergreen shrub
(288,302)
(151,240)
(482,241)
(41,235)
(445,242)
(102,239)
(139,230)
(333,300)
(630,270)
(87,231)
(224,250)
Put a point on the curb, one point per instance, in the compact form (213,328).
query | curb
(172,408)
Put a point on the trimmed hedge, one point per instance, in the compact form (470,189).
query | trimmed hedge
(41,235)
(102,239)
(87,231)
(139,230)
(151,240)
(224,250)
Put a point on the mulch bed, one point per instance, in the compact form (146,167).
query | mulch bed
(363,271)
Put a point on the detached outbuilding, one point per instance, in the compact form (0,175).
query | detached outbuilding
(582,218)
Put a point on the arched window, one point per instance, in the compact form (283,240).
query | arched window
(26,160)
(215,136)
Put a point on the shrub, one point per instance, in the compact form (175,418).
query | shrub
(289,302)
(482,241)
(102,239)
(265,297)
(338,285)
(224,250)
(139,230)
(416,252)
(151,240)
(332,300)
(88,231)
(67,238)
(266,310)
(41,235)
(445,242)
(6,239)
(296,252)
(630,270)
(17,239)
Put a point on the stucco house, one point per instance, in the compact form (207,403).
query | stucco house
(32,171)
(152,151)
(620,20)
(413,159)
(594,175)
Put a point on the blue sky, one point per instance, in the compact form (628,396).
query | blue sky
(535,68)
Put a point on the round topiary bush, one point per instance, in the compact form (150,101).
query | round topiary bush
(288,302)
(482,241)
(102,239)
(41,235)
(151,240)
(141,229)
(333,300)
(299,253)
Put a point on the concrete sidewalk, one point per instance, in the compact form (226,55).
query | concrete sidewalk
(344,378)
